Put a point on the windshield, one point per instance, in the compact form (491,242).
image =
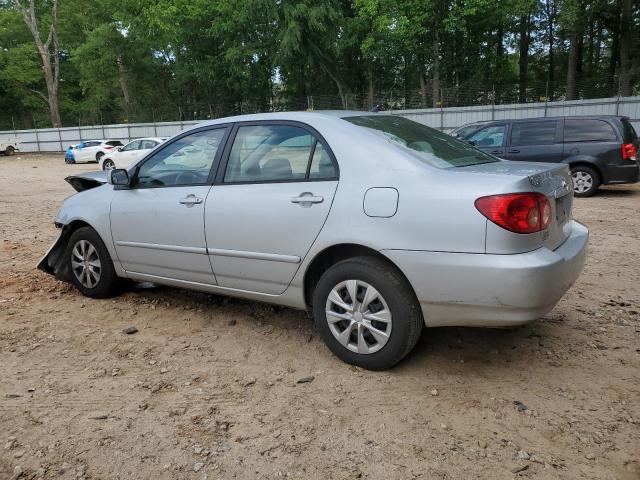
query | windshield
(426,144)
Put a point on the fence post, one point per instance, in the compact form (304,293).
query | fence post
(618,97)
(35,126)
(155,128)
(102,125)
(441,112)
(60,140)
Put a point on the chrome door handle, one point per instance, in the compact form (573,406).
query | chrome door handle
(496,152)
(306,199)
(190,200)
(513,151)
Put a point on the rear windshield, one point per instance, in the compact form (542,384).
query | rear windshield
(114,143)
(426,144)
(630,135)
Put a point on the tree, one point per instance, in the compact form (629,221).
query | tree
(49,53)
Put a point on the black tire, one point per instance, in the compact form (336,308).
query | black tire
(407,321)
(108,283)
(9,151)
(591,173)
(108,163)
(99,155)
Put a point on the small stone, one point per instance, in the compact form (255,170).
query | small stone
(306,379)
(444,426)
(13,395)
(231,322)
(130,330)
(99,416)
(198,466)
(249,381)
(19,454)
(163,370)
(520,406)
(522,455)
(17,472)
(197,449)
(520,468)
(434,392)
(590,456)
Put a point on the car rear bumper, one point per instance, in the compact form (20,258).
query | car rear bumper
(629,173)
(492,290)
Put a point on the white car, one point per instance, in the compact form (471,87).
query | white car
(9,145)
(133,151)
(90,150)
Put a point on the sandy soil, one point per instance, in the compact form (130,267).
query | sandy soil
(208,386)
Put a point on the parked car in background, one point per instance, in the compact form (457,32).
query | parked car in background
(9,145)
(90,150)
(124,157)
(600,150)
(379,224)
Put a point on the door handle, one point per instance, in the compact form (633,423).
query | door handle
(190,200)
(306,199)
(497,152)
(513,151)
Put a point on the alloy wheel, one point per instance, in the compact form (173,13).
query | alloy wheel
(358,316)
(582,181)
(108,165)
(86,264)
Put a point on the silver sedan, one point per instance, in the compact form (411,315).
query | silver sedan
(379,225)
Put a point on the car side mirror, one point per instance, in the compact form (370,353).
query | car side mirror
(119,178)
(119,149)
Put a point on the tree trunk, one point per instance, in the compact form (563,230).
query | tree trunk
(423,88)
(524,58)
(123,85)
(572,66)
(626,44)
(371,92)
(49,54)
(615,54)
(435,82)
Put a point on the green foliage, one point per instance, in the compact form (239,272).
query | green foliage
(143,60)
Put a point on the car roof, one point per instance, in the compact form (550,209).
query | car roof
(559,117)
(301,116)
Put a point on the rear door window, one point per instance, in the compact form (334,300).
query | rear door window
(630,135)
(533,133)
(576,130)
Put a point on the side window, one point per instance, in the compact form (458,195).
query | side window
(533,133)
(321,164)
(147,144)
(131,146)
(267,153)
(588,131)
(90,144)
(186,161)
(489,137)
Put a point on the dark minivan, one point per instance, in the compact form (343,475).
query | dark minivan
(600,150)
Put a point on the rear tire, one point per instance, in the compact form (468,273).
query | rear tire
(90,266)
(9,151)
(586,181)
(99,155)
(381,326)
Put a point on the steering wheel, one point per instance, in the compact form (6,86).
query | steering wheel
(186,178)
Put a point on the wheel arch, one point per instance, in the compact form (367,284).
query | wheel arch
(586,162)
(328,257)
(53,263)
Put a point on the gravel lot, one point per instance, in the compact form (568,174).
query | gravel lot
(208,387)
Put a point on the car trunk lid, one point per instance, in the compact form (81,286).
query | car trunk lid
(550,179)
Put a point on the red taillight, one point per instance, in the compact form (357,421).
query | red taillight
(517,212)
(628,151)
(108,147)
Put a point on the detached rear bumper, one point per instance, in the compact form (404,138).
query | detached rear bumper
(487,290)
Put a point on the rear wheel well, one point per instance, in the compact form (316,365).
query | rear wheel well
(334,254)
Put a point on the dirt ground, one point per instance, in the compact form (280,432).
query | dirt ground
(208,386)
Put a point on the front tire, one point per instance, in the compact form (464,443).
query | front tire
(586,181)
(367,313)
(108,165)
(9,151)
(90,266)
